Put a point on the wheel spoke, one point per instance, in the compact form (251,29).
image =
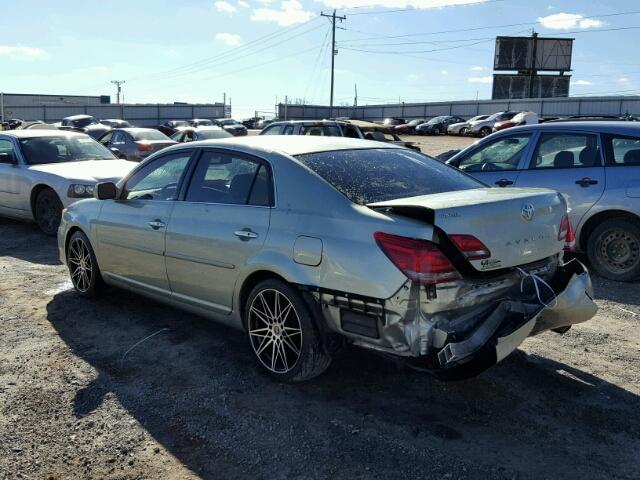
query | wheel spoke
(286,341)
(285,313)
(265,343)
(261,315)
(283,355)
(265,304)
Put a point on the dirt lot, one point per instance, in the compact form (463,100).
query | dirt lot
(189,402)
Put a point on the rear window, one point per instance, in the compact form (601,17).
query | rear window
(622,150)
(321,130)
(376,175)
(149,135)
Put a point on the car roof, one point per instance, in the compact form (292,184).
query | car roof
(132,129)
(310,122)
(77,117)
(289,144)
(619,127)
(31,133)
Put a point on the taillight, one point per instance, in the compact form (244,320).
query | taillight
(567,234)
(471,247)
(421,261)
(145,147)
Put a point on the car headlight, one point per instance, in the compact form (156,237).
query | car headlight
(78,190)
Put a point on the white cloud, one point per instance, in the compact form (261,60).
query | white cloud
(566,21)
(231,39)
(290,13)
(225,7)
(419,4)
(444,72)
(21,51)
(243,4)
(477,68)
(582,82)
(264,2)
(487,79)
(623,80)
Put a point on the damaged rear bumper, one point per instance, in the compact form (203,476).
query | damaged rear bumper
(458,343)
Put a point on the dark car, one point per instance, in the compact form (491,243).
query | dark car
(232,126)
(437,125)
(84,124)
(116,123)
(252,122)
(192,134)
(408,128)
(135,144)
(170,127)
(393,121)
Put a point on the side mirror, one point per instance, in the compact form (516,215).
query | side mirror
(105,191)
(8,158)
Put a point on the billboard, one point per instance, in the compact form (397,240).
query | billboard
(517,86)
(516,53)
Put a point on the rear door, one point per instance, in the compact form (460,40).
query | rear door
(131,230)
(222,222)
(497,162)
(571,163)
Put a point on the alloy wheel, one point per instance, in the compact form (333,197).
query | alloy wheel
(275,331)
(620,250)
(80,265)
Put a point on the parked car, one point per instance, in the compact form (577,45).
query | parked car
(484,127)
(373,245)
(379,133)
(251,123)
(437,125)
(408,128)
(202,122)
(461,128)
(43,171)
(595,165)
(84,124)
(318,128)
(170,127)
(260,124)
(522,118)
(116,123)
(192,134)
(232,126)
(135,144)
(393,121)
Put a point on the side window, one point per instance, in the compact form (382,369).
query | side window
(622,150)
(566,150)
(106,138)
(321,130)
(501,154)
(350,131)
(222,177)
(287,130)
(6,152)
(159,179)
(272,130)
(117,138)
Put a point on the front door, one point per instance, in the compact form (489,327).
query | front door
(571,163)
(496,162)
(131,230)
(14,199)
(222,222)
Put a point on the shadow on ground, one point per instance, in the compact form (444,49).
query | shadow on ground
(195,388)
(24,241)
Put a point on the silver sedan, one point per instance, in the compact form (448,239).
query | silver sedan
(308,244)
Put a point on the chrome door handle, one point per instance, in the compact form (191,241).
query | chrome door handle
(503,182)
(157,224)
(245,234)
(586,181)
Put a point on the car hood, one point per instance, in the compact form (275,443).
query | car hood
(88,170)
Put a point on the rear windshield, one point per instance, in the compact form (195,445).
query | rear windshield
(209,134)
(149,135)
(41,150)
(376,175)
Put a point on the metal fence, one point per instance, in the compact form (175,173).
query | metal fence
(139,115)
(545,107)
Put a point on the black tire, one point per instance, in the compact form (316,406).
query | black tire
(48,211)
(484,131)
(613,248)
(463,131)
(436,131)
(83,266)
(300,356)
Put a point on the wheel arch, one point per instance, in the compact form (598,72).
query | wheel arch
(253,279)
(590,225)
(35,191)
(68,236)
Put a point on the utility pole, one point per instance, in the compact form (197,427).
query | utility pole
(118,83)
(355,98)
(334,52)
(532,65)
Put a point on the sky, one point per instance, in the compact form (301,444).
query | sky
(258,52)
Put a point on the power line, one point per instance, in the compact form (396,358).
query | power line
(413,9)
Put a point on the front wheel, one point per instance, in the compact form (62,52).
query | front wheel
(281,333)
(83,266)
(436,131)
(463,131)
(48,211)
(484,131)
(613,249)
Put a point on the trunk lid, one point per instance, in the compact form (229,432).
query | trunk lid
(518,225)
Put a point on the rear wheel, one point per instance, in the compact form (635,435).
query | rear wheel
(436,131)
(48,211)
(463,131)
(484,131)
(83,266)
(282,334)
(613,249)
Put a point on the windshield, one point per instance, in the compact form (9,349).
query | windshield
(413,123)
(495,116)
(150,134)
(435,120)
(228,121)
(209,134)
(41,150)
(376,175)
(479,117)
(83,122)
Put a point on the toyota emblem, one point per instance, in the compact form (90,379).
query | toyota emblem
(527,212)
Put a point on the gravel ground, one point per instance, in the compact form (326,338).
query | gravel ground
(190,403)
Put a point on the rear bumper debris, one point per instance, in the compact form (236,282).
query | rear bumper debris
(458,343)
